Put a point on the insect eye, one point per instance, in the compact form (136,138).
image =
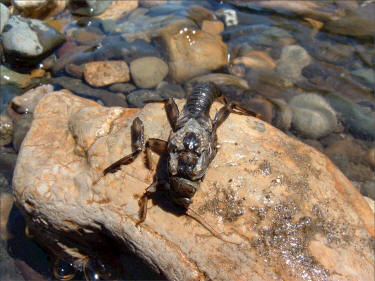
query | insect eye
(191,141)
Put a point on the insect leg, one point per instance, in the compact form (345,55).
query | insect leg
(137,137)
(172,112)
(156,145)
(143,201)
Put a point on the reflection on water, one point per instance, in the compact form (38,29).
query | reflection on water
(306,66)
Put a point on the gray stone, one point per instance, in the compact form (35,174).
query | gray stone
(122,88)
(312,117)
(147,72)
(137,98)
(293,59)
(4,16)
(29,38)
(367,74)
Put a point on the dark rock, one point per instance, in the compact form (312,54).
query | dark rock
(365,74)
(74,70)
(89,8)
(110,48)
(175,8)
(8,161)
(124,88)
(368,189)
(85,37)
(366,54)
(315,144)
(357,23)
(167,90)
(257,35)
(78,87)
(138,97)
(7,93)
(354,172)
(332,51)
(360,124)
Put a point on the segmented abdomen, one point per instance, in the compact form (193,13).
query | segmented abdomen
(201,99)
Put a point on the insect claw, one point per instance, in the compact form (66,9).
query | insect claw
(97,180)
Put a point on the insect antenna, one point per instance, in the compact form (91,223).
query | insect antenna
(196,216)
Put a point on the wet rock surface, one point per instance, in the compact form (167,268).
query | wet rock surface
(293,214)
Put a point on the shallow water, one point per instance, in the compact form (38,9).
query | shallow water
(335,62)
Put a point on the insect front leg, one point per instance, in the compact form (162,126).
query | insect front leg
(137,137)
(148,192)
(172,112)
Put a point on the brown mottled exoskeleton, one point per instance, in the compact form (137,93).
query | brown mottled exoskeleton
(191,146)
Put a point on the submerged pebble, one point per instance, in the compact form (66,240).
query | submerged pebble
(10,77)
(147,72)
(138,97)
(80,88)
(368,189)
(293,59)
(313,117)
(122,88)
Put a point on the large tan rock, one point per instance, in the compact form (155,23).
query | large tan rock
(293,213)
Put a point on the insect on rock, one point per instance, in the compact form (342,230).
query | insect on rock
(191,146)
